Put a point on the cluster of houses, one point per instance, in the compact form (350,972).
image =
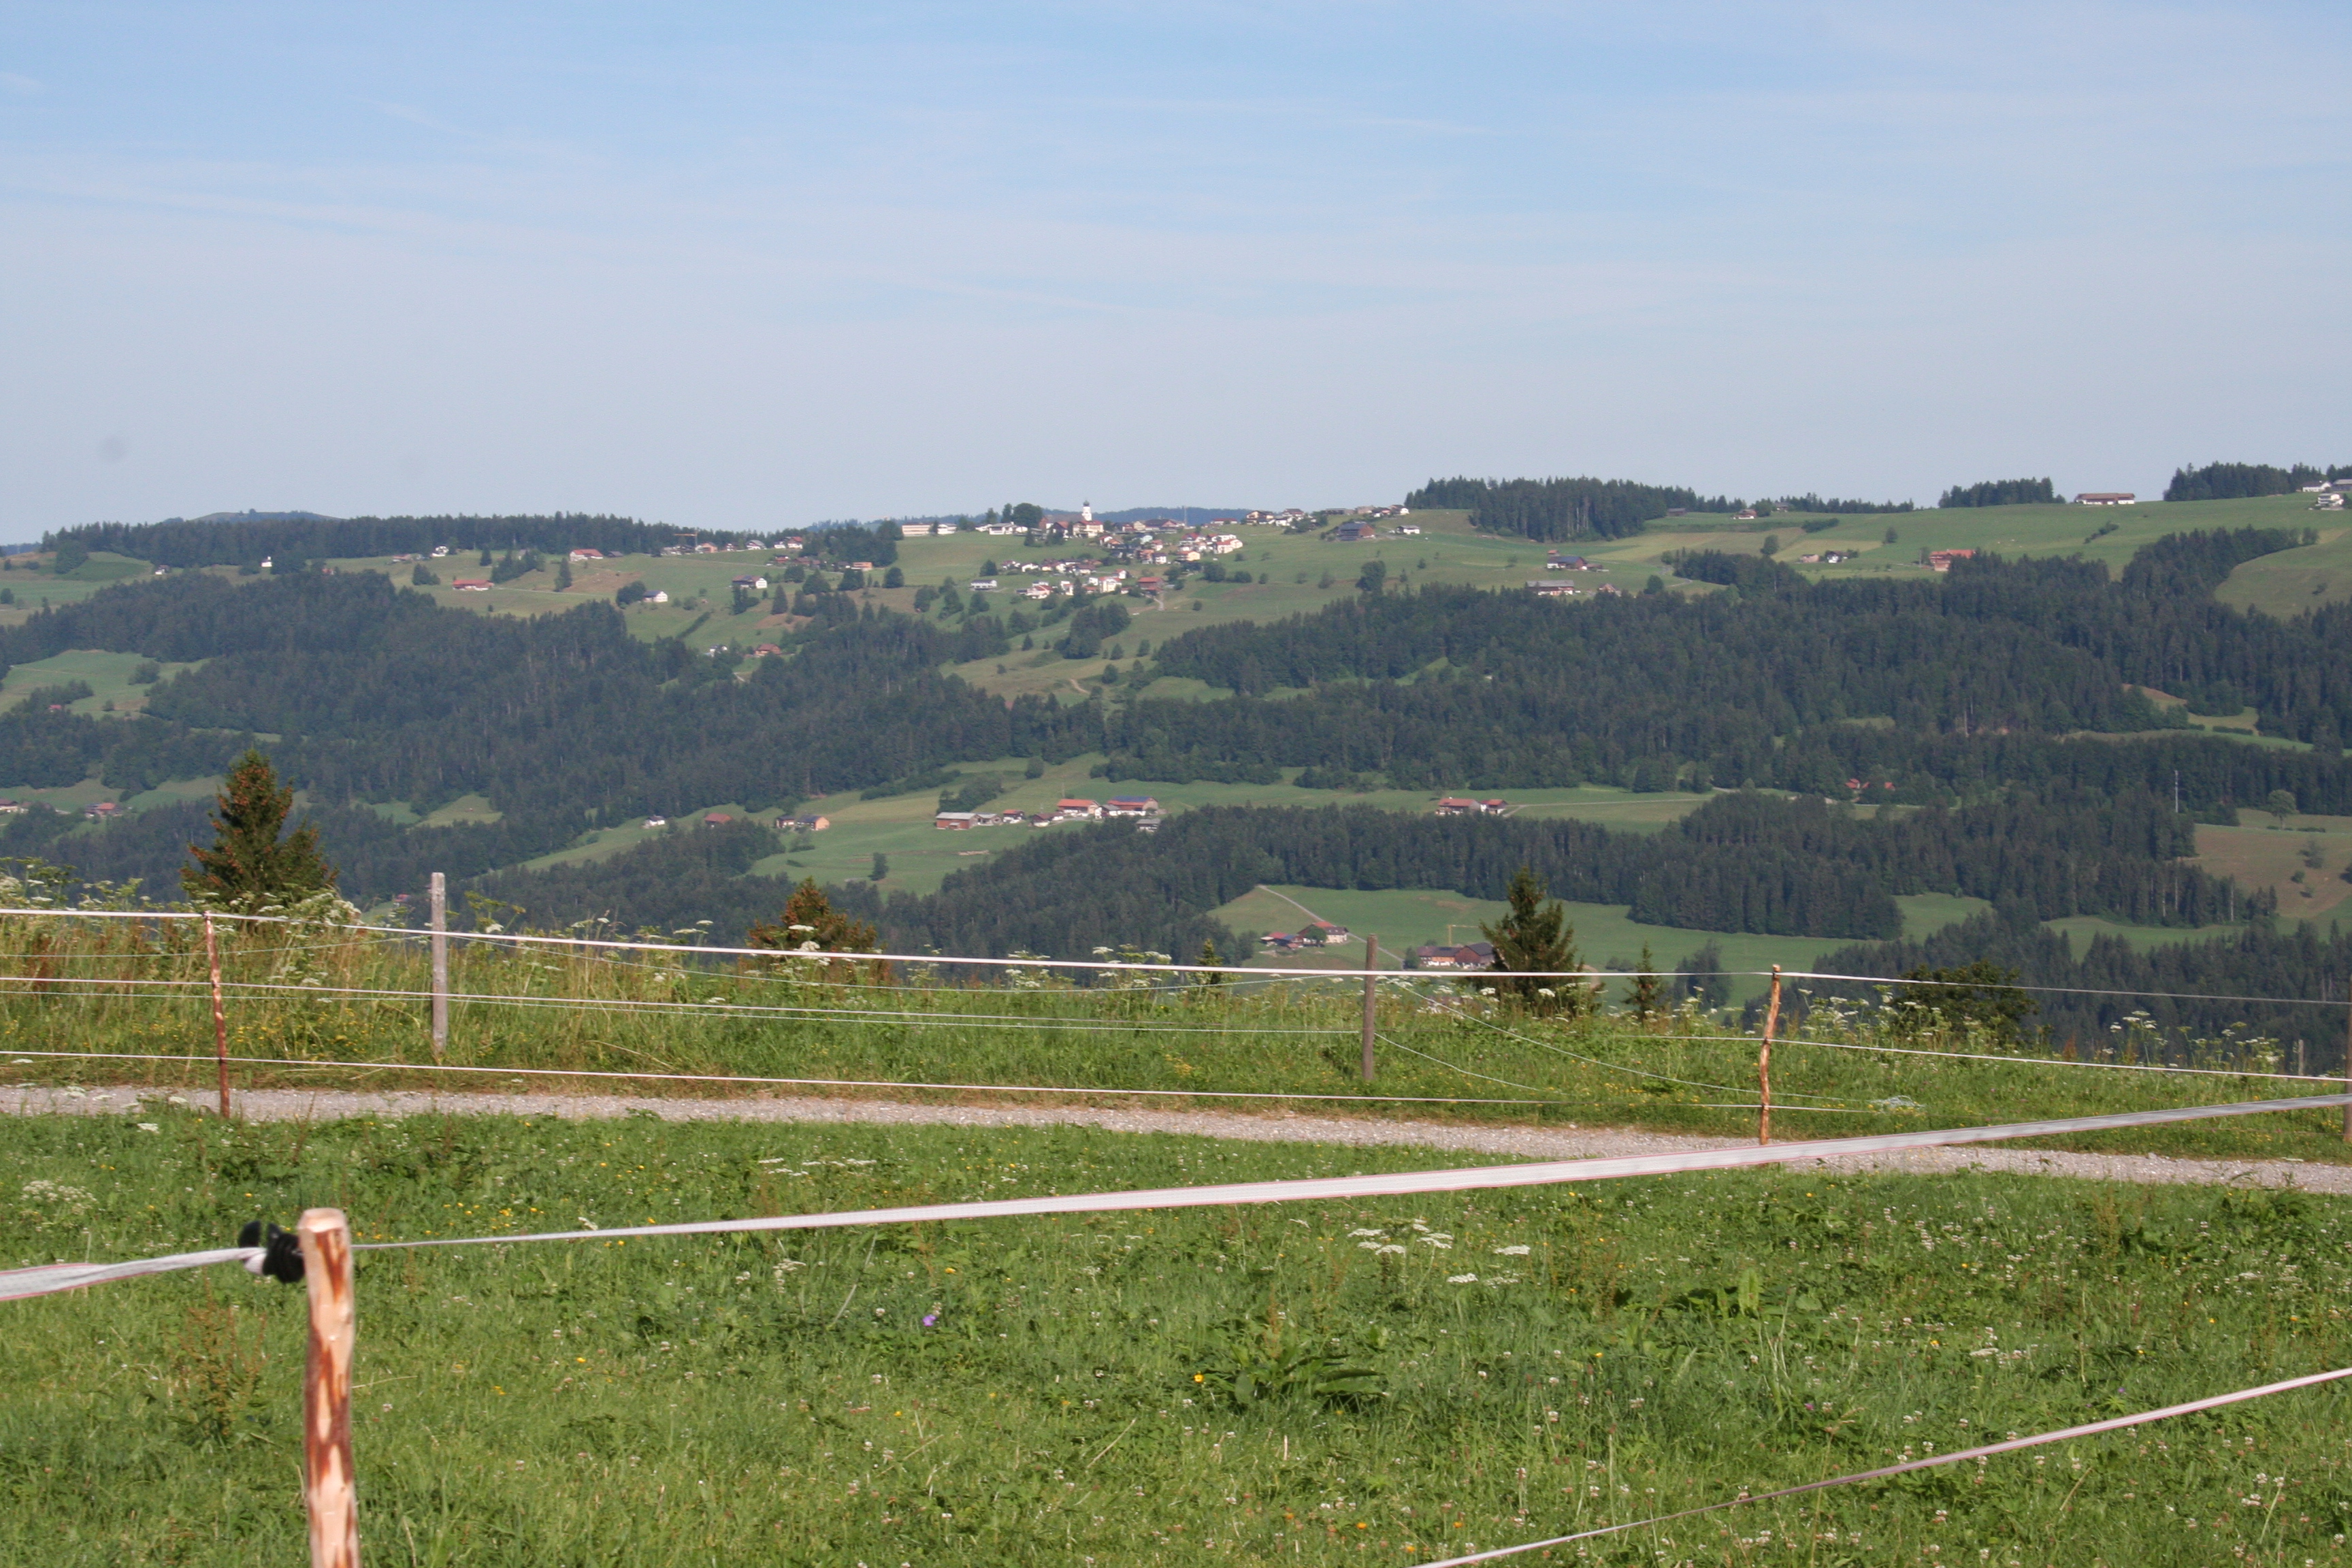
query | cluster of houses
(2328,497)
(1461,806)
(1138,806)
(1314,934)
(1294,517)
(1443,955)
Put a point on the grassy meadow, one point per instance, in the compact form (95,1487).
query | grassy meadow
(1337,1382)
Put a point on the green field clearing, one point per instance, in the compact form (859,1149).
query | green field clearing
(1071,1390)
(107,675)
(2261,853)
(2295,581)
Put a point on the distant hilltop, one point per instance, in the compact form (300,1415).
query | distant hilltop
(251,516)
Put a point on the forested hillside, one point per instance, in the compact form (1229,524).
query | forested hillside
(1941,689)
(2000,702)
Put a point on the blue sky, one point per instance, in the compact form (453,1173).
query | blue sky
(747,266)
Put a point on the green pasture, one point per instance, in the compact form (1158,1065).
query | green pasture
(107,674)
(1387,1381)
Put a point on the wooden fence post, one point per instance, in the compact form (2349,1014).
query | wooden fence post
(1764,1064)
(1371,981)
(327,1482)
(440,965)
(220,1015)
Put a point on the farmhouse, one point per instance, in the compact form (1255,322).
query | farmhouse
(656,822)
(2106,497)
(1354,532)
(802,824)
(1468,956)
(1454,805)
(957,820)
(718,819)
(471,585)
(1131,806)
(1072,810)
(1941,560)
(587,555)
(1543,590)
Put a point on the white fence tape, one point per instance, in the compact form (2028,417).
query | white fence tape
(1477,1178)
(47,1279)
(2116,1424)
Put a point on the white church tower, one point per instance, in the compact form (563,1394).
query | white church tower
(1086,511)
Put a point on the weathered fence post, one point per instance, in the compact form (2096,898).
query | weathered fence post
(326,1481)
(1764,1063)
(1371,982)
(440,899)
(220,1014)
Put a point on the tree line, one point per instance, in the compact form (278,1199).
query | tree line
(2001,492)
(237,542)
(2239,481)
(2252,985)
(1562,509)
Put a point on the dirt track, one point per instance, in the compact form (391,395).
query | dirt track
(1532,1143)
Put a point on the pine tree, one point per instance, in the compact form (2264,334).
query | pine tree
(249,866)
(1644,1002)
(1535,943)
(1209,958)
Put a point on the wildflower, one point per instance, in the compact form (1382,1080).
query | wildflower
(1462,1280)
(148,1127)
(1510,1252)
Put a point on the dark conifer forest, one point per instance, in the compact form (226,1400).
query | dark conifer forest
(2006,703)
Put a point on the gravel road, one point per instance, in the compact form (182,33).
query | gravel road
(1521,1142)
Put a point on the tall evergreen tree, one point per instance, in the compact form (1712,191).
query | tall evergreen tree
(1534,946)
(249,866)
(1643,1001)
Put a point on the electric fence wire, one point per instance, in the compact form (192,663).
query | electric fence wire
(1961,1455)
(1637,1072)
(1339,977)
(2019,1060)
(14,1057)
(715,1008)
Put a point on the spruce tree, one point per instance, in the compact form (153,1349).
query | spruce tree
(1534,947)
(249,866)
(1644,1002)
